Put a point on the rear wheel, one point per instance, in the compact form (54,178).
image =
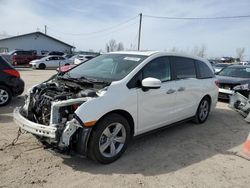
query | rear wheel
(109,139)
(203,110)
(42,66)
(5,95)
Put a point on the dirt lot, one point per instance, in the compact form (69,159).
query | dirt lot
(184,156)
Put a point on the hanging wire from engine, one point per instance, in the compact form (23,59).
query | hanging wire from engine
(14,141)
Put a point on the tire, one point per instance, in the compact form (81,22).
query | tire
(5,95)
(104,146)
(203,111)
(42,66)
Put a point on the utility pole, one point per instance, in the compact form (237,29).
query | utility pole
(139,36)
(45,29)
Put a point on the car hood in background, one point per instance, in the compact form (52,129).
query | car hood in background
(232,80)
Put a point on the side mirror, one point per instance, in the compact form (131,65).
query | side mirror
(150,83)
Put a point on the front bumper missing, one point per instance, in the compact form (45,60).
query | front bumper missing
(52,135)
(34,128)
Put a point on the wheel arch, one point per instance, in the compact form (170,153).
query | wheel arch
(5,85)
(123,113)
(209,98)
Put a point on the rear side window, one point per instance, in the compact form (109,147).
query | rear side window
(203,71)
(183,67)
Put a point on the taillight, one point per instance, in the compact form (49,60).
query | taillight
(12,72)
(217,83)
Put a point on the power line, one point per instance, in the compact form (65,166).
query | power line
(95,32)
(198,18)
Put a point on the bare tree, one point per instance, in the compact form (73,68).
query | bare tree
(113,46)
(120,47)
(200,51)
(174,49)
(240,53)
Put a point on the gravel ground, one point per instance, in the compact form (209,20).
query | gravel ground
(182,156)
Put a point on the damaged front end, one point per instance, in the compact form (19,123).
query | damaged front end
(240,101)
(49,112)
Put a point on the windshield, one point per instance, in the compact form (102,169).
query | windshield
(240,72)
(108,67)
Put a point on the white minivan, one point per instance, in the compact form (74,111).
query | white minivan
(98,106)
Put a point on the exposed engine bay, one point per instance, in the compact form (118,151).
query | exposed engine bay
(41,98)
(52,104)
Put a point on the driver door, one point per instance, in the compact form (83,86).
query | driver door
(156,106)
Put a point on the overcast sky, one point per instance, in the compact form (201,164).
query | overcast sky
(65,18)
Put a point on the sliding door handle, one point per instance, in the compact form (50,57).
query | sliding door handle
(170,91)
(181,89)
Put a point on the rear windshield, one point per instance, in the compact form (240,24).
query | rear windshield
(240,72)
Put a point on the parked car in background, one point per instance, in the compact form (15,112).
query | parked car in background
(219,66)
(65,68)
(11,84)
(55,53)
(244,63)
(76,62)
(68,56)
(232,76)
(82,58)
(49,62)
(21,57)
(98,106)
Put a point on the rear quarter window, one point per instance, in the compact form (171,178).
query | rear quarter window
(203,71)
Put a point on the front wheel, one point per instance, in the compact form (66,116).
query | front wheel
(42,66)
(203,110)
(5,95)
(109,139)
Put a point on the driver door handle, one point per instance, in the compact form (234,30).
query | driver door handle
(170,91)
(181,89)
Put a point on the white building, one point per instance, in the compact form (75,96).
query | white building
(34,41)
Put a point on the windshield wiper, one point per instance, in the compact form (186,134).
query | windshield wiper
(92,80)
(82,79)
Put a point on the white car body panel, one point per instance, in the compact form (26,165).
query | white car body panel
(154,108)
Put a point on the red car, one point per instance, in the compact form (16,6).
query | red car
(22,57)
(65,68)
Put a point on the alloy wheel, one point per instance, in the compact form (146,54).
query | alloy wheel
(204,109)
(112,140)
(4,96)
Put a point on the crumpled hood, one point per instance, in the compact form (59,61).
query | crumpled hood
(232,80)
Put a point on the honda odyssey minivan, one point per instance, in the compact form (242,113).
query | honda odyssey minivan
(98,106)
